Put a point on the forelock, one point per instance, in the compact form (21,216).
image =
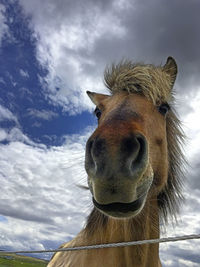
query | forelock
(149,80)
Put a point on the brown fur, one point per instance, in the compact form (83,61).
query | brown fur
(155,83)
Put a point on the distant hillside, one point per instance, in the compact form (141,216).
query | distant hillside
(13,260)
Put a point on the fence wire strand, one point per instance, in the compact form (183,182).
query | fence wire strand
(110,245)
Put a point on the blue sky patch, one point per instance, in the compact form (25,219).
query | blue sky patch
(3,219)
(22,92)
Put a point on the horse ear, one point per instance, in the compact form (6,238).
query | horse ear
(171,68)
(96,98)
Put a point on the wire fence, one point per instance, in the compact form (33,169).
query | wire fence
(110,245)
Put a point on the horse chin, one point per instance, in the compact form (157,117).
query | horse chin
(122,210)
(127,209)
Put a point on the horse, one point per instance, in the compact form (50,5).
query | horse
(134,162)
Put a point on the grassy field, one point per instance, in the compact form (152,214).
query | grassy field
(13,260)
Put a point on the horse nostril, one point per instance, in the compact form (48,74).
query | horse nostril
(133,152)
(142,154)
(130,147)
(95,155)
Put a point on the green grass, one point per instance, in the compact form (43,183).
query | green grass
(13,260)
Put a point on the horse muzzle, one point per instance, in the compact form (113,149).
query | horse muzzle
(117,170)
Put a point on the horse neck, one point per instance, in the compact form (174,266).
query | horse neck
(101,229)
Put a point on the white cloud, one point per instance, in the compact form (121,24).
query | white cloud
(176,253)
(191,123)
(42,114)
(67,35)
(3,135)
(188,263)
(24,73)
(6,114)
(40,198)
(16,135)
(2,80)
(3,26)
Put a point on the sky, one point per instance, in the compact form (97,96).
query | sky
(51,52)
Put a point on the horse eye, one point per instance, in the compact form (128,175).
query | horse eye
(97,112)
(164,108)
